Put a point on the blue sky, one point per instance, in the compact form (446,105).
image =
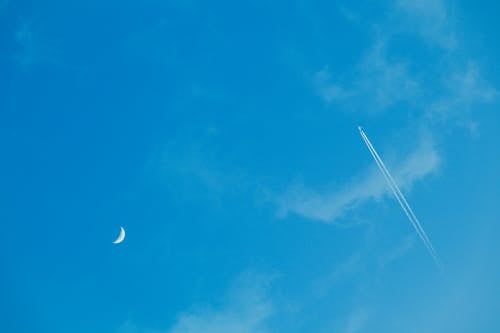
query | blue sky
(223,137)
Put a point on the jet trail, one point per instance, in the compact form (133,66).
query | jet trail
(401,199)
(397,192)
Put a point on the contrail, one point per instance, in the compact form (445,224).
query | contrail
(397,192)
(401,199)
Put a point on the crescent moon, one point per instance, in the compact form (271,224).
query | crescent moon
(120,237)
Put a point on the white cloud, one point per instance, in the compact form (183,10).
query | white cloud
(431,19)
(356,321)
(399,251)
(378,82)
(382,79)
(459,78)
(327,89)
(185,163)
(331,205)
(388,82)
(465,88)
(129,327)
(247,309)
(323,285)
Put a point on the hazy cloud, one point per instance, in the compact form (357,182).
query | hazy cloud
(431,19)
(246,311)
(328,89)
(323,285)
(378,82)
(356,321)
(464,89)
(399,251)
(331,205)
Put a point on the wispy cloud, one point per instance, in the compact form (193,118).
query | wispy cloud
(247,309)
(328,89)
(375,82)
(330,205)
(465,88)
(386,82)
(185,163)
(431,19)
(399,251)
(439,94)
(382,79)
(129,327)
(460,82)
(356,321)
(324,284)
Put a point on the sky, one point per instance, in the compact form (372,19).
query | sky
(223,137)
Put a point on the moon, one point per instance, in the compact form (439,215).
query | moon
(120,237)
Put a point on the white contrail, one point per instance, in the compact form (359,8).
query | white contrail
(392,185)
(399,196)
(397,192)
(401,199)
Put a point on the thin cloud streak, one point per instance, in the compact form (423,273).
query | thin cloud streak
(248,308)
(384,80)
(247,311)
(334,204)
(376,81)
(432,20)
(357,321)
